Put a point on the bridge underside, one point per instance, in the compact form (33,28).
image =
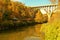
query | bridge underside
(47,9)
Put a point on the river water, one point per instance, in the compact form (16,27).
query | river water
(32,32)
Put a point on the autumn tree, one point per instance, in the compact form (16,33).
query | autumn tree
(38,17)
(11,10)
(53,1)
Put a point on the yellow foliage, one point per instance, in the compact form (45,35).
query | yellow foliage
(52,30)
(38,17)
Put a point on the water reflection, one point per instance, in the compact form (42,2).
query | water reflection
(20,35)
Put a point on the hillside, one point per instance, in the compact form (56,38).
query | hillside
(52,28)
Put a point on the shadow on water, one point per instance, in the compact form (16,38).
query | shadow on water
(18,29)
(22,32)
(15,29)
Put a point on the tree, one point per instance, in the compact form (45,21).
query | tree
(59,2)
(6,15)
(53,1)
(38,17)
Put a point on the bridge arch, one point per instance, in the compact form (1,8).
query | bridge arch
(48,9)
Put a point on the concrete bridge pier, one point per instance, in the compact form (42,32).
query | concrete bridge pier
(49,16)
(48,9)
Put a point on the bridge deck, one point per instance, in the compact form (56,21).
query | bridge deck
(45,6)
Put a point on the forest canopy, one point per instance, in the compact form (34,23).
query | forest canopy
(16,13)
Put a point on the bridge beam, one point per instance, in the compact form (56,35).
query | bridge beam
(49,9)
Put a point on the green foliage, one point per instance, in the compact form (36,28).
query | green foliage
(45,18)
(6,15)
(7,24)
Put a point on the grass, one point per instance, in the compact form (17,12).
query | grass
(51,29)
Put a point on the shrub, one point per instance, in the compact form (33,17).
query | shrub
(7,25)
(38,17)
(45,18)
(18,24)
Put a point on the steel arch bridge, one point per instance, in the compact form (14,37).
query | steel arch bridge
(48,9)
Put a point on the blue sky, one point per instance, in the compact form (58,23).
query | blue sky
(35,2)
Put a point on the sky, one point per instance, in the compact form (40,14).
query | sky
(34,2)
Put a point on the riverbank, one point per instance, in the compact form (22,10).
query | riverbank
(9,25)
(13,25)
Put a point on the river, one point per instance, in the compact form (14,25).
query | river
(32,32)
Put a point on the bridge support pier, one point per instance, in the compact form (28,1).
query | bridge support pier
(49,16)
(48,9)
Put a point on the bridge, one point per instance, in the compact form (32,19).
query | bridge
(47,9)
